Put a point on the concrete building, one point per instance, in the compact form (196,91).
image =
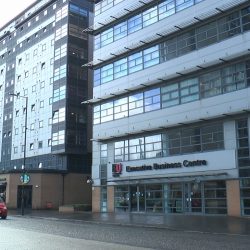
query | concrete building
(171,107)
(41,53)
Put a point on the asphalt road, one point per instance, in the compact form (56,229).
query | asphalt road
(50,233)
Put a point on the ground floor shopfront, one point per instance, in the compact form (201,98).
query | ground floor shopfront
(44,190)
(190,197)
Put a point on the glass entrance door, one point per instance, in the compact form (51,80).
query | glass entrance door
(137,198)
(193,197)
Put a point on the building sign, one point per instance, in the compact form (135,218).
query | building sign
(116,169)
(25,178)
(166,165)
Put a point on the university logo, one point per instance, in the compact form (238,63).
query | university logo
(116,169)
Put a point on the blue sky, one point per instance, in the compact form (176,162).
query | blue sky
(10,8)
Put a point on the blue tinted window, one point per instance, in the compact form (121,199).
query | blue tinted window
(134,23)
(120,30)
(97,77)
(107,73)
(135,62)
(76,9)
(120,68)
(150,16)
(151,56)
(107,37)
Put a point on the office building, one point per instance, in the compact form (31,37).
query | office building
(41,79)
(171,107)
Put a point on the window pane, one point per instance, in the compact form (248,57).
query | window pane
(189,90)
(136,104)
(210,84)
(152,99)
(120,68)
(135,62)
(170,95)
(120,30)
(151,56)
(166,9)
(134,23)
(150,16)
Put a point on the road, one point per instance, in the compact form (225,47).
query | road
(26,233)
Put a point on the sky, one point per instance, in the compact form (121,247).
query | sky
(10,8)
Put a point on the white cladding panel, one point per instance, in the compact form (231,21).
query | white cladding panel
(39,89)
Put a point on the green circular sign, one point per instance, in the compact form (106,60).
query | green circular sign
(25,178)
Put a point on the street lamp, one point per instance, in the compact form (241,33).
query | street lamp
(24,150)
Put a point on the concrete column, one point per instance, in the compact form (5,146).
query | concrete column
(233,197)
(96,198)
(111,196)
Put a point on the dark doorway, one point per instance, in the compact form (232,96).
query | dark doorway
(27,196)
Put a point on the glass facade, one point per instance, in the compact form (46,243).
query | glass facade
(201,138)
(207,197)
(197,38)
(217,82)
(243,145)
(103,177)
(141,20)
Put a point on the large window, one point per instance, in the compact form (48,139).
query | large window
(245,196)
(121,108)
(58,138)
(215,197)
(210,84)
(233,78)
(135,62)
(121,151)
(59,94)
(154,198)
(152,100)
(170,95)
(207,137)
(189,90)
(195,139)
(103,177)
(122,199)
(107,112)
(136,104)
(243,145)
(243,148)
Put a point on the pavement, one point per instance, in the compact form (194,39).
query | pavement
(179,222)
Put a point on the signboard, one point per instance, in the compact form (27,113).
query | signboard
(25,178)
(166,165)
(116,169)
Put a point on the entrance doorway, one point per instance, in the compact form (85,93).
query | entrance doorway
(193,201)
(27,196)
(137,198)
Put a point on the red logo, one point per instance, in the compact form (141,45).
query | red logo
(116,169)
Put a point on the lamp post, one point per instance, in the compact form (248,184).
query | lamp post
(24,150)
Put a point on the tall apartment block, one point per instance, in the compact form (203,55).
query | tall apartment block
(41,53)
(171,107)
